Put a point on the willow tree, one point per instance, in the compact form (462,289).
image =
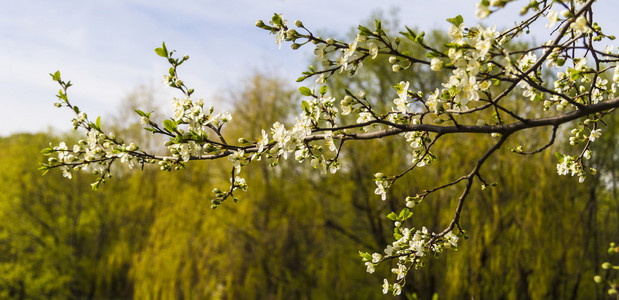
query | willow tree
(484,77)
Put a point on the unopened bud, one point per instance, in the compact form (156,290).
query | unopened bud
(298,23)
(330,41)
(597,279)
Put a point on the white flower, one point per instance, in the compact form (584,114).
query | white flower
(451,239)
(373,49)
(385,286)
(553,16)
(580,25)
(397,289)
(369,267)
(376,257)
(595,134)
(482,11)
(436,64)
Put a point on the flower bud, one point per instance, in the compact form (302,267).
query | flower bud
(295,46)
(290,33)
(396,68)
(330,41)
(597,279)
(566,13)
(259,23)
(606,265)
(298,23)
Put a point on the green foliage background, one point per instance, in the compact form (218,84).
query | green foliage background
(296,233)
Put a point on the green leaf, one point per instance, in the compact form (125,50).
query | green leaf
(365,256)
(162,51)
(364,30)
(559,155)
(301,78)
(164,47)
(392,216)
(55,76)
(456,21)
(305,91)
(410,34)
(98,122)
(431,55)
(277,20)
(419,38)
(323,89)
(403,213)
(169,125)
(141,113)
(306,107)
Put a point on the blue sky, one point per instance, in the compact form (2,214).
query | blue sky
(106,47)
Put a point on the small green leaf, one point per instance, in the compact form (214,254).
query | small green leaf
(365,256)
(419,38)
(323,89)
(300,78)
(164,47)
(141,113)
(98,122)
(277,20)
(305,91)
(456,21)
(403,213)
(392,216)
(55,76)
(169,125)
(163,51)
(559,155)
(364,30)
(306,107)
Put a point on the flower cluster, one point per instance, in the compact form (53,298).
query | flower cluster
(408,250)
